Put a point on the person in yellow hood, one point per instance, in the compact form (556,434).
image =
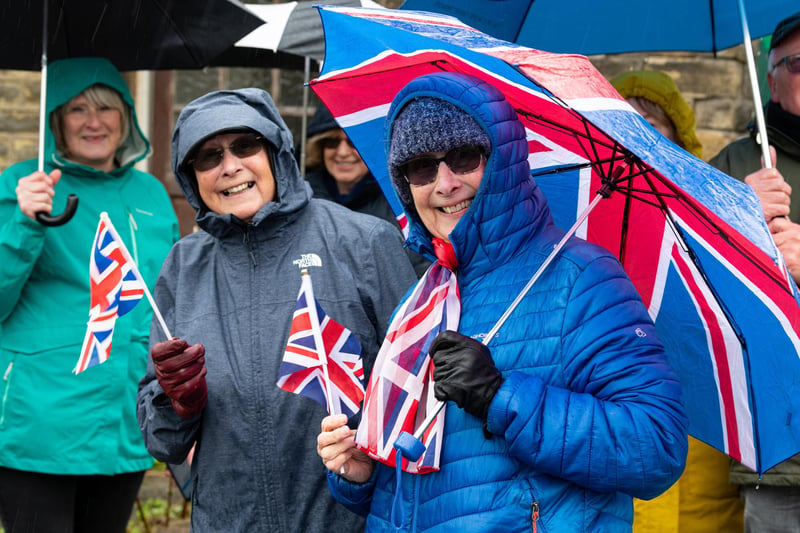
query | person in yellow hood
(702,500)
(656,97)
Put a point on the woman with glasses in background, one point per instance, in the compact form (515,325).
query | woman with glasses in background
(336,172)
(228,293)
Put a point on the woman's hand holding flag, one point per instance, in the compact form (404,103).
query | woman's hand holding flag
(336,447)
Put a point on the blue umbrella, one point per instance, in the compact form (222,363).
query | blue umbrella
(692,239)
(592,27)
(615,26)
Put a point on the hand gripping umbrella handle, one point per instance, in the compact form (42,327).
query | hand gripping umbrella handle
(63,218)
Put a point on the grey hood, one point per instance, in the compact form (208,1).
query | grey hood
(219,111)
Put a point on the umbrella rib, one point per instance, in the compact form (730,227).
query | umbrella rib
(639,194)
(597,163)
(168,18)
(591,153)
(715,228)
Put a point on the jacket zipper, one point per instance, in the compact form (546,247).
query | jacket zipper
(7,380)
(534,515)
(248,244)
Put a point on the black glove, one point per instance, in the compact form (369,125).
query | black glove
(464,372)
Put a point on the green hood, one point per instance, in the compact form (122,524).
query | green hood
(66,79)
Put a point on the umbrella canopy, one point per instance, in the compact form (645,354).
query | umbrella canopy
(615,26)
(692,239)
(290,36)
(293,27)
(619,26)
(132,34)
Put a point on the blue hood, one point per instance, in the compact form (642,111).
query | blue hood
(509,208)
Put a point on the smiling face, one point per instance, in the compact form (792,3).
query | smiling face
(91,134)
(441,203)
(236,185)
(342,161)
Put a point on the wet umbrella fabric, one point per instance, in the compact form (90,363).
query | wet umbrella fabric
(619,26)
(692,239)
(592,27)
(132,34)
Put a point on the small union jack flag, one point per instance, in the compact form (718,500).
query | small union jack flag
(400,392)
(322,358)
(115,288)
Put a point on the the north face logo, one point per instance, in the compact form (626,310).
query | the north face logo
(307,260)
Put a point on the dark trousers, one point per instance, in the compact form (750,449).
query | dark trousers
(771,509)
(31,502)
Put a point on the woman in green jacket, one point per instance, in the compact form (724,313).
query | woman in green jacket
(71,453)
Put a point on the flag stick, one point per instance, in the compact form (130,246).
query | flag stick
(135,269)
(321,355)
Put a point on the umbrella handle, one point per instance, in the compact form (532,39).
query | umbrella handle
(63,218)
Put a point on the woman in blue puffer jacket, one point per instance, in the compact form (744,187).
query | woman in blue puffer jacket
(571,410)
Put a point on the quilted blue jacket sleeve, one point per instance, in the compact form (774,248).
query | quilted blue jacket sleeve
(618,424)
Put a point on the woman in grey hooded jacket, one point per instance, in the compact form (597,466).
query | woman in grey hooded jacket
(230,290)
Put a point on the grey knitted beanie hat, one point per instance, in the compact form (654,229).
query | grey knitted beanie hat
(429,125)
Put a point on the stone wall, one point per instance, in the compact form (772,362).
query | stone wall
(19,116)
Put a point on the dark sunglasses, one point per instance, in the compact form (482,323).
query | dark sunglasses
(792,63)
(334,142)
(423,170)
(210,158)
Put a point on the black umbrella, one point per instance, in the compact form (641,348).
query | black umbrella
(132,34)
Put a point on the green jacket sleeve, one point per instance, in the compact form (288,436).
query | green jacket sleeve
(21,243)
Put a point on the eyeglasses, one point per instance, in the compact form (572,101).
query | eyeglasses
(334,142)
(792,63)
(245,146)
(423,170)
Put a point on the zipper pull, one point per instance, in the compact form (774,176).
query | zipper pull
(8,371)
(534,515)
(134,228)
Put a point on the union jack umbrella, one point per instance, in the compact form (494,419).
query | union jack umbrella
(692,239)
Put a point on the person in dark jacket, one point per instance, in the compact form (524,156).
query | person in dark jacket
(772,502)
(571,408)
(336,172)
(228,293)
